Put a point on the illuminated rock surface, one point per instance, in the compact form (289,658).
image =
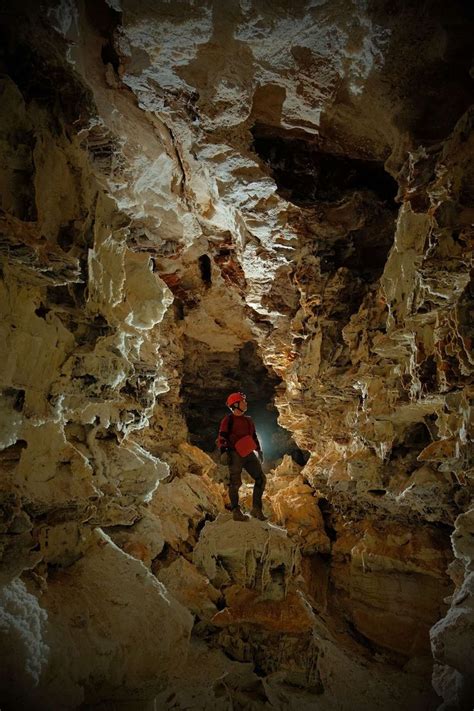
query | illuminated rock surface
(203,197)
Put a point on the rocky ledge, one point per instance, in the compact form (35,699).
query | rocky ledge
(201,197)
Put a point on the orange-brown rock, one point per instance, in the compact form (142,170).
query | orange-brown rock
(180,505)
(438,451)
(192,589)
(202,197)
(296,509)
(290,616)
(391,583)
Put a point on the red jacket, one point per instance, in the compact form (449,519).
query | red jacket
(241,425)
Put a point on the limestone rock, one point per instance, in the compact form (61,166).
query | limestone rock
(392,584)
(296,509)
(143,539)
(190,588)
(91,652)
(187,195)
(452,636)
(25,650)
(255,555)
(182,504)
(247,607)
(212,679)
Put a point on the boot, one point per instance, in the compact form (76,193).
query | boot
(237,515)
(257,512)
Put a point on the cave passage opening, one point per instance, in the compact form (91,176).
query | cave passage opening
(322,183)
(305,174)
(210,376)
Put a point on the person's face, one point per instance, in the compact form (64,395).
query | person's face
(241,408)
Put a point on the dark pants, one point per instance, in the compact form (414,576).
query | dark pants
(252,465)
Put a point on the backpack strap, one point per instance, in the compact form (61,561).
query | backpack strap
(226,433)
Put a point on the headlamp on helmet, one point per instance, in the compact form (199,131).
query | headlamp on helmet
(234,399)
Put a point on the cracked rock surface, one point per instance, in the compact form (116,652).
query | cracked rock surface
(203,197)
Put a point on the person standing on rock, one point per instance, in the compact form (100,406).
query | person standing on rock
(240,449)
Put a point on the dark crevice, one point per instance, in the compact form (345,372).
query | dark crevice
(364,252)
(14,450)
(44,78)
(353,202)
(110,56)
(200,524)
(67,236)
(205,269)
(360,638)
(42,311)
(415,438)
(18,400)
(178,308)
(60,296)
(102,16)
(428,375)
(106,20)
(305,175)
(327,511)
(300,456)
(417,435)
(259,671)
(167,556)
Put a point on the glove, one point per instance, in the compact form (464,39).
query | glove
(225,456)
(260,455)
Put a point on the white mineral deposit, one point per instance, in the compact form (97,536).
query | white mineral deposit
(205,197)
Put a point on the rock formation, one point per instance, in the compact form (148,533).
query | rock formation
(198,197)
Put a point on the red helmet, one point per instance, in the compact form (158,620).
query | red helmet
(233,398)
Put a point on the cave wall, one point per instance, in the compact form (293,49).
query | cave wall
(187,178)
(81,309)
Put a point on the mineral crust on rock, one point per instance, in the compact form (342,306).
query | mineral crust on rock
(203,197)
(452,636)
(255,555)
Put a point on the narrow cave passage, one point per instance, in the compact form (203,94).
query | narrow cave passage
(209,376)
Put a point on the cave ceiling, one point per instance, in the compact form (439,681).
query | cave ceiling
(201,197)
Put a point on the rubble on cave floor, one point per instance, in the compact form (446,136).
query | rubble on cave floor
(255,609)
